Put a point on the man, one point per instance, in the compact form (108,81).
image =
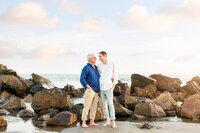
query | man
(108,79)
(90,80)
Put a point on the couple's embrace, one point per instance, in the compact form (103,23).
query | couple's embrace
(99,79)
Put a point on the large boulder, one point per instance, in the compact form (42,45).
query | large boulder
(121,89)
(149,91)
(77,109)
(166,101)
(12,84)
(130,102)
(192,87)
(140,81)
(37,79)
(3,122)
(70,89)
(14,104)
(149,109)
(191,107)
(52,98)
(120,110)
(64,118)
(26,113)
(165,83)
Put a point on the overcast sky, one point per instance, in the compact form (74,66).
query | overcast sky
(140,36)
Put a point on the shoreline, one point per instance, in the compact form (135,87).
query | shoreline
(130,127)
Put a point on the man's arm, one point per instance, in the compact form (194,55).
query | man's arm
(83,78)
(115,76)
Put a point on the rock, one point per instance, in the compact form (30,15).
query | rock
(29,82)
(174,96)
(121,89)
(99,115)
(165,83)
(39,80)
(120,110)
(70,89)
(51,112)
(149,91)
(191,107)
(39,123)
(26,113)
(28,98)
(140,81)
(3,122)
(191,87)
(45,117)
(77,109)
(181,96)
(139,117)
(14,104)
(170,113)
(3,112)
(166,101)
(6,95)
(3,68)
(36,88)
(52,98)
(149,109)
(146,125)
(196,79)
(12,84)
(64,118)
(130,102)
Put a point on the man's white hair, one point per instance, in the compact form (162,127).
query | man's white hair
(90,56)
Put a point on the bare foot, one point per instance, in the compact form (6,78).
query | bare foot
(114,125)
(84,125)
(93,124)
(106,124)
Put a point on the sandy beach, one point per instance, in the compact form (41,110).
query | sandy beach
(132,127)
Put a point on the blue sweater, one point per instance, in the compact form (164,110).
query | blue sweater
(90,76)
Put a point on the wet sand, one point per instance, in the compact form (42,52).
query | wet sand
(132,127)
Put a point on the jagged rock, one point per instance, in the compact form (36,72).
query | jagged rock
(39,80)
(64,118)
(14,104)
(26,113)
(192,87)
(191,107)
(28,98)
(166,101)
(140,81)
(149,109)
(165,83)
(13,85)
(3,122)
(52,98)
(149,91)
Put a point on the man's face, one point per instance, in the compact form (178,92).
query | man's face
(93,60)
(102,58)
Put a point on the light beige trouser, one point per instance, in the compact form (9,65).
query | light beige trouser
(90,103)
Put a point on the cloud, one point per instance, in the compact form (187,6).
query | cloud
(139,18)
(48,51)
(92,24)
(29,14)
(9,50)
(185,59)
(71,7)
(186,10)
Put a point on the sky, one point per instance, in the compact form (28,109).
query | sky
(140,36)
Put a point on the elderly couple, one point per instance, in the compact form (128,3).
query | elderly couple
(98,79)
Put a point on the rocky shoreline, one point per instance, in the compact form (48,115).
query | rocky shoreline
(148,97)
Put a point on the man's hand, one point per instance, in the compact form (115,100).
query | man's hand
(112,79)
(113,87)
(88,87)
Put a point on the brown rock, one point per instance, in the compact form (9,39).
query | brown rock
(191,87)
(14,104)
(52,98)
(166,101)
(28,98)
(149,109)
(3,122)
(37,79)
(12,84)
(165,83)
(140,81)
(120,110)
(26,113)
(191,107)
(2,68)
(121,89)
(6,95)
(130,102)
(64,118)
(149,91)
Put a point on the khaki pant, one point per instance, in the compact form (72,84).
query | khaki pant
(90,104)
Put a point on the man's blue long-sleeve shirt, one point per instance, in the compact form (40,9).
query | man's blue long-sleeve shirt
(90,76)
